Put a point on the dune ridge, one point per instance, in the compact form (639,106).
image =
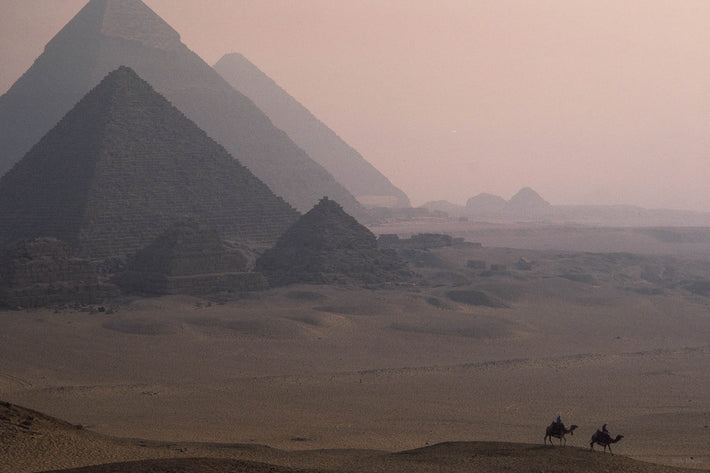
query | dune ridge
(32,441)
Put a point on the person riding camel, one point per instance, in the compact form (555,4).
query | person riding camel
(558,425)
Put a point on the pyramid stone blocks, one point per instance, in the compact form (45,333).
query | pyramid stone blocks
(121,167)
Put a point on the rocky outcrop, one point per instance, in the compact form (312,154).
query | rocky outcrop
(485,205)
(526,204)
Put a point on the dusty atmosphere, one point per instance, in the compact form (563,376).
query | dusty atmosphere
(198,274)
(464,355)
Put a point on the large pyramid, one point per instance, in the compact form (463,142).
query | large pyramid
(326,246)
(107,34)
(121,167)
(321,143)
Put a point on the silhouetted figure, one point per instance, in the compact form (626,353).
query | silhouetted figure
(603,438)
(558,430)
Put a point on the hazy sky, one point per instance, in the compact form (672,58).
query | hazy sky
(584,101)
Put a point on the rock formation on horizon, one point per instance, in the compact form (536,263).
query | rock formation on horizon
(485,204)
(526,204)
(321,143)
(326,245)
(121,167)
(107,34)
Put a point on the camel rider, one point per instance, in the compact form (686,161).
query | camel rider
(558,425)
(605,431)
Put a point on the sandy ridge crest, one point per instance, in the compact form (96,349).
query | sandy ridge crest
(34,442)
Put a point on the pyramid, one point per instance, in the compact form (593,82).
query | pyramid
(188,259)
(484,204)
(326,246)
(107,34)
(528,204)
(121,167)
(348,166)
(186,249)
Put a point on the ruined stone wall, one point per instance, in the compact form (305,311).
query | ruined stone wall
(41,272)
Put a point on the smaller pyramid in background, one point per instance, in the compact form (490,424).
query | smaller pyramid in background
(326,245)
(485,205)
(121,167)
(348,166)
(527,204)
(185,249)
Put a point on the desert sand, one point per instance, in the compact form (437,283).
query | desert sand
(339,378)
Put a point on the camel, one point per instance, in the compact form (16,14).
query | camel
(558,431)
(603,439)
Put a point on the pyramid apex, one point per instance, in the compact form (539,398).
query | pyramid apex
(123,19)
(134,20)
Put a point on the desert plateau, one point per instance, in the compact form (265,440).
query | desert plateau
(310,255)
(460,370)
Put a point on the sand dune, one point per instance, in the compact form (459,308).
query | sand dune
(35,442)
(321,368)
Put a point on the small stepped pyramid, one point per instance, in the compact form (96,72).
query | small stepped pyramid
(187,259)
(325,246)
(121,167)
